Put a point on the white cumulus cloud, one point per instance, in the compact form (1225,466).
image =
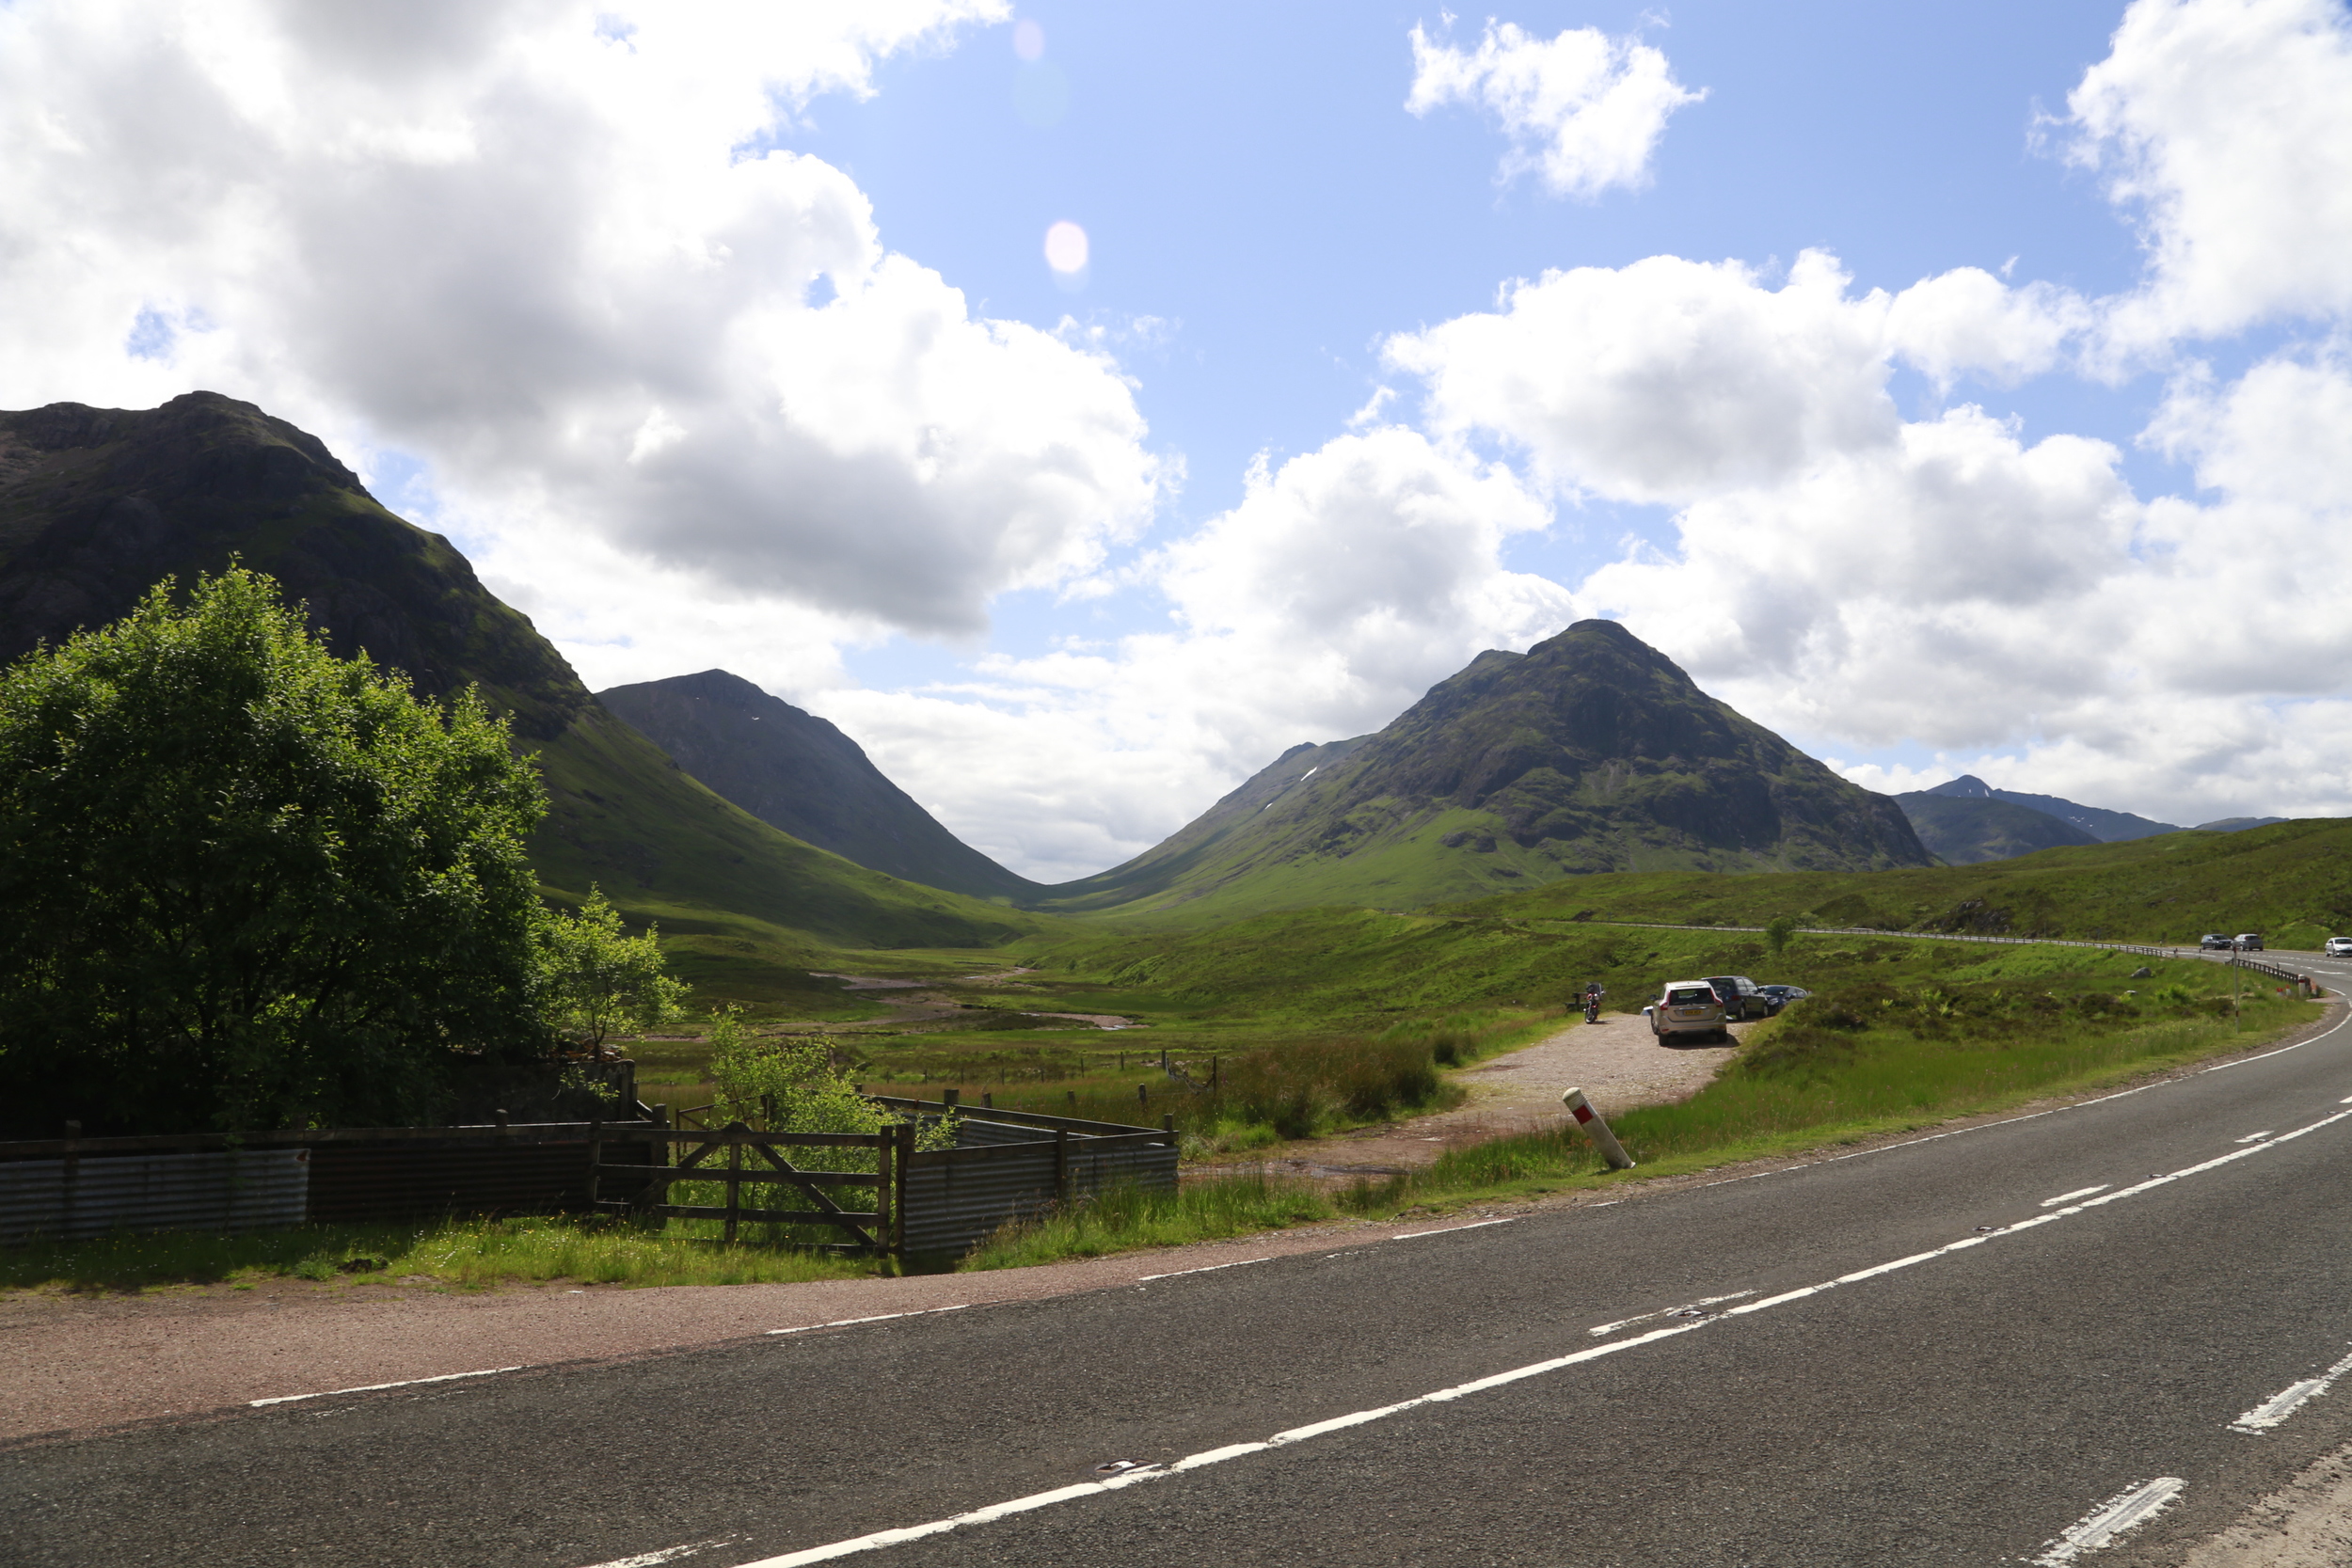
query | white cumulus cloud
(2226,127)
(550,249)
(1583,110)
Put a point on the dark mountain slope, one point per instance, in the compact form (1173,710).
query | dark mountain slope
(799,773)
(1970,830)
(1591,752)
(96,506)
(2105,827)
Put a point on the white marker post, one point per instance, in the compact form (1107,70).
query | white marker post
(1588,1118)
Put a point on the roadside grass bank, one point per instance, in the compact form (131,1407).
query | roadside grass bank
(1866,1061)
(464,1254)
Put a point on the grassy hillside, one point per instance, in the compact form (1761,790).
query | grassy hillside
(97,505)
(1591,752)
(2292,880)
(800,775)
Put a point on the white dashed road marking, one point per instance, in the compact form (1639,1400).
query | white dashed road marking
(877,1318)
(1665,1312)
(2125,1511)
(372,1387)
(1450,1229)
(2079,1192)
(1210,1268)
(2096,1529)
(2287,1402)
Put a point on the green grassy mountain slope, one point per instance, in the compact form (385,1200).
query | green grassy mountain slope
(96,506)
(1966,829)
(2291,881)
(799,773)
(1590,752)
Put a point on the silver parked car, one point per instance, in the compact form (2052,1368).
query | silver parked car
(1687,1008)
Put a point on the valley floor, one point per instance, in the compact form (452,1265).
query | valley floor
(1617,1062)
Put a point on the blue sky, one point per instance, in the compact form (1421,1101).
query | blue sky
(725,336)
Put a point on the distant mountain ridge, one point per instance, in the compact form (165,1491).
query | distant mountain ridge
(1591,751)
(97,505)
(2105,827)
(799,773)
(1969,829)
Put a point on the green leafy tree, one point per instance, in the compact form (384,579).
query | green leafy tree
(1777,933)
(600,978)
(792,1085)
(247,884)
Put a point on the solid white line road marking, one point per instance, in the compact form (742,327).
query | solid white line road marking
(1669,1311)
(2281,1405)
(668,1554)
(2101,1526)
(2079,1192)
(2124,1512)
(2253,1138)
(1210,1268)
(372,1387)
(1450,1229)
(877,1318)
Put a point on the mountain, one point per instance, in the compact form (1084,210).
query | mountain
(2236,824)
(2105,827)
(96,506)
(1968,829)
(1591,751)
(799,773)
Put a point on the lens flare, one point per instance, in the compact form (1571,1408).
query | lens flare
(1029,39)
(1066,247)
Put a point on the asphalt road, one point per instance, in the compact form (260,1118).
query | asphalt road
(1965,1407)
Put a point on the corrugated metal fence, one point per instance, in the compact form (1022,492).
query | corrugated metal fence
(73,1188)
(1007,1165)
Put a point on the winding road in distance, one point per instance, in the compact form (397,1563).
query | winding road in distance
(2122,1319)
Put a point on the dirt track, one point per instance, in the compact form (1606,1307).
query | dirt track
(1616,1062)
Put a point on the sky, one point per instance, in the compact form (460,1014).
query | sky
(1082,404)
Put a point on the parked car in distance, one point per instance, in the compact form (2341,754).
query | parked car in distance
(1739,996)
(2339,947)
(2213,940)
(1780,996)
(1687,1008)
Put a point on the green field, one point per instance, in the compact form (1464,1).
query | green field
(2291,881)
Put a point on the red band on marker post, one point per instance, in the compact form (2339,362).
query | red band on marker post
(1597,1130)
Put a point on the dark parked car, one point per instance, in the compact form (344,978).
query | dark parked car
(2213,941)
(1740,996)
(1780,996)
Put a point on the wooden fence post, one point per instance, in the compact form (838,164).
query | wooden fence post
(898,1201)
(735,1176)
(1061,1164)
(596,1155)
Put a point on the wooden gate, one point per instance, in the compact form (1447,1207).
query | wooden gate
(868,1229)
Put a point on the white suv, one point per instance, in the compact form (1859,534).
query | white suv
(1687,1008)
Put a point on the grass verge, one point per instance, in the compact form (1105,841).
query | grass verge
(1125,1218)
(1872,1060)
(467,1253)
